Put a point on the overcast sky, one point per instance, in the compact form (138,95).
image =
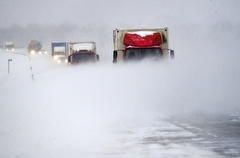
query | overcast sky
(132,13)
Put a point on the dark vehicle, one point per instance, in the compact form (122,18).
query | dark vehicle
(34,47)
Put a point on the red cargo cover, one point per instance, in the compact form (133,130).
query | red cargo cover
(136,39)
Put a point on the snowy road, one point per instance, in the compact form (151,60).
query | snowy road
(183,136)
(107,110)
(219,132)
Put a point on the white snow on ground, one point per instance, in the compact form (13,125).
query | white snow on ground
(99,110)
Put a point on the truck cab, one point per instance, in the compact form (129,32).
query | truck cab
(81,52)
(138,44)
(59,52)
(138,53)
(9,46)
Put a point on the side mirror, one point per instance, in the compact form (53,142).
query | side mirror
(172,54)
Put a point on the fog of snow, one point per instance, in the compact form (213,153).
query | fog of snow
(54,110)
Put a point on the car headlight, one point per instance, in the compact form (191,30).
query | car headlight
(32,52)
(55,57)
(13,49)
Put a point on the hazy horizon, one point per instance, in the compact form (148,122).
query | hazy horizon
(118,13)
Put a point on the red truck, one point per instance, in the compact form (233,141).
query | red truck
(81,52)
(137,44)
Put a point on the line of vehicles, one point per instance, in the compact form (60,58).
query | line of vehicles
(74,52)
(128,44)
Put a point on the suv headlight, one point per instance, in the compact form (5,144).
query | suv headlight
(32,51)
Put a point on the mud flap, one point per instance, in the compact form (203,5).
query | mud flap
(114,56)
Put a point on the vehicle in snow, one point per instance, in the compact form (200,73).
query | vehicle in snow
(137,44)
(42,52)
(82,52)
(60,52)
(34,47)
(9,46)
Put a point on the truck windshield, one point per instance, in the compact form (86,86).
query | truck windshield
(83,57)
(140,53)
(59,50)
(10,45)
